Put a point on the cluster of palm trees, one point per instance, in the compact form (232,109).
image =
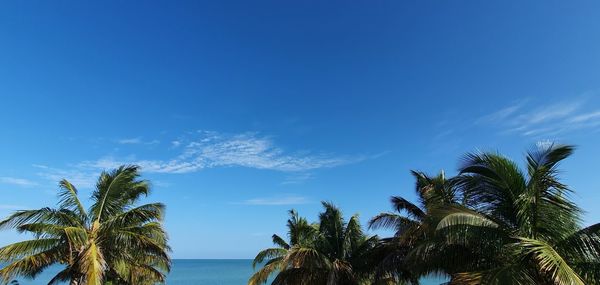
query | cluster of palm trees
(493,223)
(115,241)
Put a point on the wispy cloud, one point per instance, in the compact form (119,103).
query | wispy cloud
(136,141)
(212,149)
(502,114)
(17,181)
(201,150)
(297,178)
(587,117)
(548,119)
(276,201)
(81,178)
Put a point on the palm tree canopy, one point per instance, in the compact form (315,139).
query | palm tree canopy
(521,226)
(115,240)
(332,251)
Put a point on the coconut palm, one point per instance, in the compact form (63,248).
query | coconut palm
(414,227)
(300,233)
(521,227)
(333,252)
(115,241)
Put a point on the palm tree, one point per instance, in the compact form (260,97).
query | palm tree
(300,233)
(332,252)
(113,242)
(414,227)
(520,226)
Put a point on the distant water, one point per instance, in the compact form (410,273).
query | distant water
(198,272)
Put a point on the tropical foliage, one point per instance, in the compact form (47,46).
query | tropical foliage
(414,226)
(115,241)
(519,226)
(493,223)
(331,251)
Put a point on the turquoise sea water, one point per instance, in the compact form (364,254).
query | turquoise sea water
(198,272)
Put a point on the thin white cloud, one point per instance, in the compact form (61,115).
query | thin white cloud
(548,119)
(40,166)
(276,201)
(551,112)
(17,181)
(211,149)
(586,117)
(202,150)
(130,141)
(501,114)
(297,178)
(81,178)
(136,141)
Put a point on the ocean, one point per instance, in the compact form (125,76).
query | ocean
(198,272)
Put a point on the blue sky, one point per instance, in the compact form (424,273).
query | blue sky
(239,111)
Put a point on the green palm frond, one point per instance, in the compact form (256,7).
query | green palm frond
(279,241)
(25,248)
(68,199)
(549,261)
(465,218)
(115,190)
(400,204)
(29,266)
(261,276)
(44,215)
(392,221)
(269,253)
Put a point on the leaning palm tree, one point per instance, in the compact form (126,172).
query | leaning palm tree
(414,229)
(336,252)
(115,241)
(521,227)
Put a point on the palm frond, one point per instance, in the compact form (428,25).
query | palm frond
(400,204)
(269,253)
(68,199)
(549,261)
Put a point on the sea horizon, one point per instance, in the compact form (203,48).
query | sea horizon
(198,271)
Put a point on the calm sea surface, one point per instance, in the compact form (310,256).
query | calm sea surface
(198,272)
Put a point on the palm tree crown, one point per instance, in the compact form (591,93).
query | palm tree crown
(331,252)
(414,227)
(115,241)
(520,226)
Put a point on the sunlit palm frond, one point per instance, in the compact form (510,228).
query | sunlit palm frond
(549,261)
(68,199)
(116,190)
(269,253)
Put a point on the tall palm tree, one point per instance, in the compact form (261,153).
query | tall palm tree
(334,252)
(115,241)
(414,226)
(521,226)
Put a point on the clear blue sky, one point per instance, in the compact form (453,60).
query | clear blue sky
(241,110)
